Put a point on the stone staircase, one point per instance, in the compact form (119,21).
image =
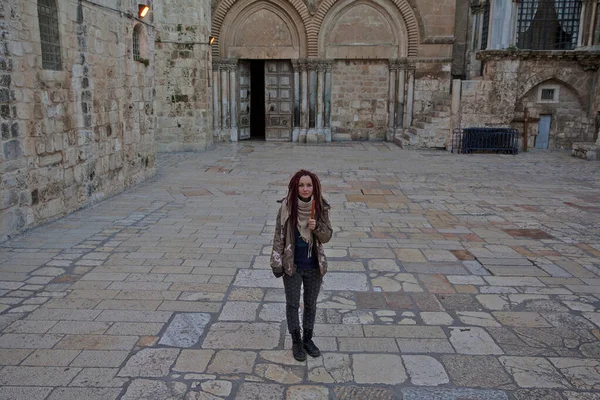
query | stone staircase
(431,128)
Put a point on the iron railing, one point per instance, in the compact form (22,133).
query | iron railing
(498,140)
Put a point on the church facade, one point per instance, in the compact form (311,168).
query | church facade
(91,90)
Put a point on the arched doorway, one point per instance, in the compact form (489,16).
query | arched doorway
(273,65)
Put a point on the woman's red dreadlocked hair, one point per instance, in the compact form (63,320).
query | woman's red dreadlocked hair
(292,196)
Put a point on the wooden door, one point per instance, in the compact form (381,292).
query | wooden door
(278,100)
(244,101)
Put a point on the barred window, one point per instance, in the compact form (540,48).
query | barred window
(548,24)
(485,29)
(136,42)
(49,35)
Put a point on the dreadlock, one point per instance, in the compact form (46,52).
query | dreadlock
(292,196)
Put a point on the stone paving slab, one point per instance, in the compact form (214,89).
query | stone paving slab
(450,277)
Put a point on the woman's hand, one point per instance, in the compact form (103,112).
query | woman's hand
(312,224)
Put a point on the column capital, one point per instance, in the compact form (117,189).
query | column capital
(396,64)
(324,65)
(227,64)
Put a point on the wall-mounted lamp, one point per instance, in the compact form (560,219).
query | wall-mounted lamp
(143,10)
(211,39)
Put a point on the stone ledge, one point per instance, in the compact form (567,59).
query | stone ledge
(589,59)
(586,150)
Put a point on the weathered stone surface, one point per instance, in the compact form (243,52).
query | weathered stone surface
(218,388)
(185,330)
(361,392)
(474,341)
(87,393)
(29,393)
(257,278)
(154,390)
(306,392)
(255,391)
(425,371)
(281,374)
(330,368)
(533,372)
(239,311)
(476,371)
(345,281)
(583,374)
(150,363)
(193,360)
(37,376)
(232,362)
(452,394)
(390,369)
(232,335)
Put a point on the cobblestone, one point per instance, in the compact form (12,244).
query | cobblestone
(474,273)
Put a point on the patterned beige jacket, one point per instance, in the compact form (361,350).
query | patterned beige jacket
(284,242)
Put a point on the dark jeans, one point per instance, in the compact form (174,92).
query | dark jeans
(311,279)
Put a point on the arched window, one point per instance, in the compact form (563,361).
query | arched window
(548,24)
(137,42)
(49,35)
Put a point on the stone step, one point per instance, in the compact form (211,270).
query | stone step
(415,130)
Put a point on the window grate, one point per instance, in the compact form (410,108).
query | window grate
(548,94)
(548,24)
(49,34)
(486,25)
(136,43)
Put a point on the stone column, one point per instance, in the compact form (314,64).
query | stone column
(216,86)
(582,23)
(401,95)
(320,106)
(312,100)
(327,112)
(304,110)
(411,96)
(232,67)
(393,66)
(224,98)
(592,23)
(296,115)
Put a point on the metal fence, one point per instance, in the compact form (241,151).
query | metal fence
(498,140)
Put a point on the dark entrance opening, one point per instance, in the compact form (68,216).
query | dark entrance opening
(257,99)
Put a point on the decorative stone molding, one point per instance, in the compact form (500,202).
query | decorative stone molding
(324,65)
(291,7)
(438,40)
(408,9)
(398,64)
(477,6)
(226,64)
(588,60)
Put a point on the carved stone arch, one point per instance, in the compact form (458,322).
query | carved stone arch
(569,82)
(408,10)
(296,10)
(385,35)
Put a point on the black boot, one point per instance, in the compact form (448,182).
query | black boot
(297,348)
(309,345)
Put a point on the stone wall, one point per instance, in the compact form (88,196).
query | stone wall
(183,75)
(76,135)
(510,82)
(359,96)
(569,124)
(432,86)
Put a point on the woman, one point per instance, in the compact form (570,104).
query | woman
(301,229)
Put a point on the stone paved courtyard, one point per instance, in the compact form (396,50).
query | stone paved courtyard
(451,277)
